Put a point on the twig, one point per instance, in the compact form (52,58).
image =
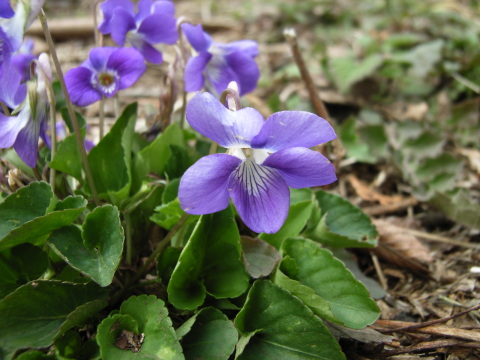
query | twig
(379,271)
(428,346)
(389,208)
(317,103)
(432,322)
(71,112)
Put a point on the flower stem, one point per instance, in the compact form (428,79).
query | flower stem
(53,131)
(71,112)
(101,123)
(128,238)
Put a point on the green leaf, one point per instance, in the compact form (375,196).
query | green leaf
(34,355)
(427,144)
(342,224)
(145,328)
(38,229)
(67,158)
(24,205)
(210,336)
(70,346)
(36,313)
(154,157)
(259,257)
(167,215)
(318,269)
(210,262)
(95,250)
(110,161)
(276,325)
(298,216)
(20,265)
(309,297)
(347,71)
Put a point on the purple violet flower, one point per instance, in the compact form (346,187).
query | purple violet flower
(216,65)
(106,71)
(263,160)
(22,59)
(154,23)
(28,122)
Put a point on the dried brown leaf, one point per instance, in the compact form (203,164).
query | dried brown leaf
(367,193)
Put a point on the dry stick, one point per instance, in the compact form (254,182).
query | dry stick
(71,112)
(432,322)
(317,103)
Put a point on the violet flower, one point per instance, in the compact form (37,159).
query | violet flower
(153,23)
(216,65)
(106,71)
(22,58)
(28,122)
(6,10)
(263,160)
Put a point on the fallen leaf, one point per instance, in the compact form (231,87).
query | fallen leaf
(367,193)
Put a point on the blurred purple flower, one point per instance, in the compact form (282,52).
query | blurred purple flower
(153,23)
(263,160)
(22,58)
(30,102)
(106,71)
(216,65)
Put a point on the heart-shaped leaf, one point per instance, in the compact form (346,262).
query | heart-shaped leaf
(95,250)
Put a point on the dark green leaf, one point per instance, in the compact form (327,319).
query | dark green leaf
(210,336)
(111,159)
(276,325)
(210,262)
(67,158)
(95,250)
(36,313)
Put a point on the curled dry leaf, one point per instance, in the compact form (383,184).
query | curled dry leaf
(400,247)
(473,157)
(367,193)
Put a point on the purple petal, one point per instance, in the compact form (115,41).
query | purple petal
(199,40)
(150,54)
(287,129)
(98,57)
(22,63)
(228,128)
(218,74)
(6,10)
(302,167)
(12,92)
(120,24)
(159,28)
(144,9)
(203,187)
(107,9)
(194,78)
(10,126)
(246,70)
(129,65)
(164,7)
(80,87)
(26,144)
(261,196)
(6,48)
(247,47)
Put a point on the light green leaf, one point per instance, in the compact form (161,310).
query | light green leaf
(209,263)
(318,269)
(67,158)
(36,312)
(459,206)
(95,250)
(347,71)
(144,324)
(342,224)
(276,325)
(208,335)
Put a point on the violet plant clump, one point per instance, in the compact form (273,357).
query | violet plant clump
(264,159)
(94,231)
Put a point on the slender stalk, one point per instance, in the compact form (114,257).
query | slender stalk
(101,122)
(71,112)
(53,130)
(184,109)
(129,239)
